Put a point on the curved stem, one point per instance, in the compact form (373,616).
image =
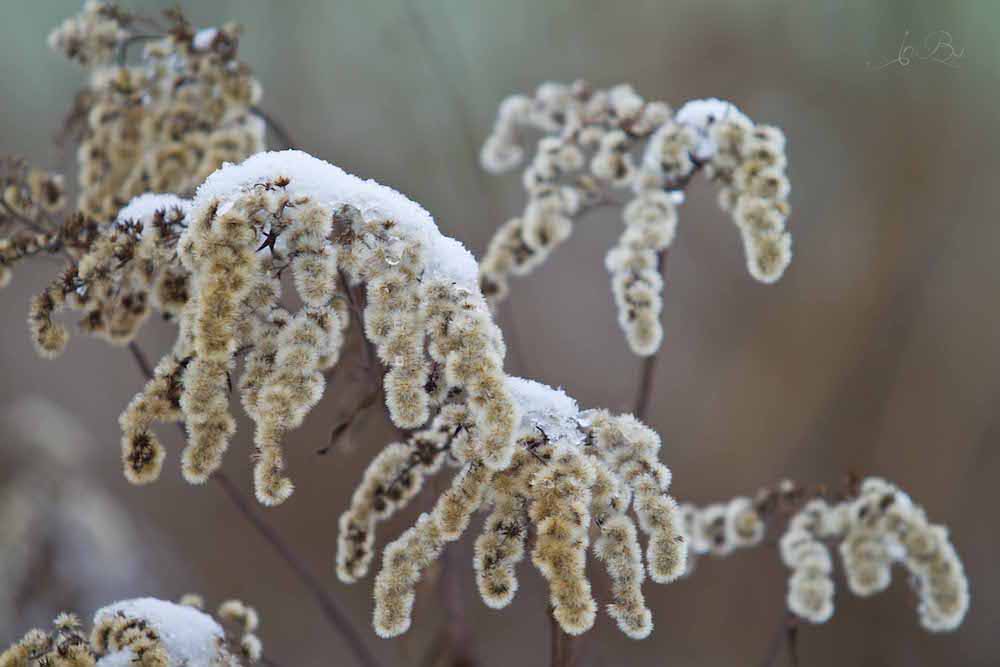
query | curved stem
(333,612)
(645,390)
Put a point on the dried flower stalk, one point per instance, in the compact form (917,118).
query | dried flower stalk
(597,142)
(570,469)
(874,527)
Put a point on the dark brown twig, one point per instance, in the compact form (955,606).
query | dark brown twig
(792,639)
(141,360)
(279,130)
(347,422)
(333,613)
(561,645)
(457,631)
(785,635)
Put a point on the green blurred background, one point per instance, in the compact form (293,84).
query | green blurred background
(876,353)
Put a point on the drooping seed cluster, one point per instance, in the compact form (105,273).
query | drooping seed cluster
(343,239)
(749,160)
(874,525)
(30,202)
(720,528)
(116,277)
(635,264)
(570,469)
(391,480)
(598,142)
(241,617)
(145,632)
(803,551)
(93,36)
(64,646)
(164,123)
(883,515)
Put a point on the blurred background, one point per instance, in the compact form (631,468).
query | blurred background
(875,353)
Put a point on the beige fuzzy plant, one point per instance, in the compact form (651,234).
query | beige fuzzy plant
(270,262)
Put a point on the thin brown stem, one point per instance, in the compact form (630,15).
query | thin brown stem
(23,219)
(785,635)
(457,631)
(648,371)
(332,611)
(561,645)
(141,360)
(279,130)
(342,427)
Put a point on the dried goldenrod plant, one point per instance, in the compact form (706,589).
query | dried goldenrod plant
(334,232)
(147,632)
(571,469)
(597,146)
(160,124)
(164,123)
(874,525)
(265,260)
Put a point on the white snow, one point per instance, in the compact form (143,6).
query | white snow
(447,259)
(546,408)
(700,114)
(145,206)
(203,39)
(190,637)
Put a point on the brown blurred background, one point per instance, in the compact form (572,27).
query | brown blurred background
(875,353)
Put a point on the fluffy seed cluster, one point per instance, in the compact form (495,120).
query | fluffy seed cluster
(352,247)
(164,123)
(30,201)
(570,471)
(64,646)
(883,519)
(597,143)
(117,275)
(720,528)
(93,36)
(161,125)
(145,632)
(244,621)
(874,525)
(810,586)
